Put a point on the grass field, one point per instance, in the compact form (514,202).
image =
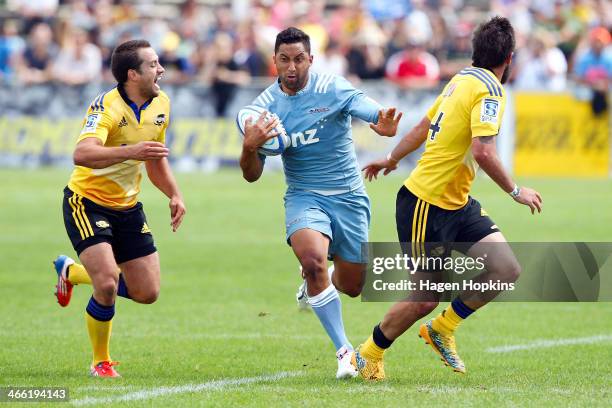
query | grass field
(225,330)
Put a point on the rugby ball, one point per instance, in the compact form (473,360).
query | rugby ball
(272,147)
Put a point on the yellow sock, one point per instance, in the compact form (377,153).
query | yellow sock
(371,351)
(99,335)
(447,322)
(77,274)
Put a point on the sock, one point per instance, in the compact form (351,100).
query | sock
(77,274)
(447,322)
(99,325)
(328,308)
(375,346)
(122,289)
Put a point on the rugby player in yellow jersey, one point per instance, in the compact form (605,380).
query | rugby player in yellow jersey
(433,205)
(123,128)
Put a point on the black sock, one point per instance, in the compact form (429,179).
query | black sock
(379,338)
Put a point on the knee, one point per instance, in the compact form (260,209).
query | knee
(313,264)
(425,308)
(107,287)
(513,271)
(146,296)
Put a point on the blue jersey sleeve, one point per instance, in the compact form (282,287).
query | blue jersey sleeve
(355,102)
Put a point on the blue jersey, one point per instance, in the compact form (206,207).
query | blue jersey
(321,156)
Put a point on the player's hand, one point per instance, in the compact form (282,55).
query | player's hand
(387,122)
(177,212)
(258,133)
(148,151)
(530,198)
(372,169)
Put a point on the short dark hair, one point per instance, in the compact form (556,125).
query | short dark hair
(292,35)
(125,57)
(493,43)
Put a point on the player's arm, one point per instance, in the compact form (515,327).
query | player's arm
(356,103)
(161,176)
(486,116)
(409,143)
(91,152)
(255,135)
(485,154)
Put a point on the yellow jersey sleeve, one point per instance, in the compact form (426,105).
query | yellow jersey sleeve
(166,105)
(486,115)
(434,108)
(98,122)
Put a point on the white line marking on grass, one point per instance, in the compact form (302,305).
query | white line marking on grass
(214,385)
(551,343)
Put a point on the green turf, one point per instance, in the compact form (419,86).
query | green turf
(227,308)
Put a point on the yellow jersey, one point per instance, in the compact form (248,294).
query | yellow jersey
(471,105)
(117,121)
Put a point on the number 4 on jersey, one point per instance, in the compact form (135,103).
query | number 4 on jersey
(435,127)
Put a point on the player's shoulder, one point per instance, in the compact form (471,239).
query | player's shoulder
(482,82)
(267,96)
(163,97)
(104,101)
(328,83)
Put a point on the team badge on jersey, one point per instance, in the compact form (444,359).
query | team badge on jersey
(489,110)
(91,123)
(160,119)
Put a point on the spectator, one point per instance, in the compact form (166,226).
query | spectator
(178,67)
(413,68)
(457,53)
(332,61)
(34,64)
(594,68)
(11,44)
(226,75)
(247,55)
(79,61)
(366,58)
(542,66)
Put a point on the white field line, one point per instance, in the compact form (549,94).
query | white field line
(215,385)
(551,343)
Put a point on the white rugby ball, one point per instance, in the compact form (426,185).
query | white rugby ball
(272,147)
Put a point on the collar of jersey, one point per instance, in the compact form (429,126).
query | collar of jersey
(486,71)
(298,93)
(132,104)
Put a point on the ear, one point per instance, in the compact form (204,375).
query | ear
(132,74)
(509,59)
(274,59)
(310,58)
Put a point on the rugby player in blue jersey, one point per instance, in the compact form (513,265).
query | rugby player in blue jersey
(327,210)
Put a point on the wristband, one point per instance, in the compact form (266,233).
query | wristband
(515,192)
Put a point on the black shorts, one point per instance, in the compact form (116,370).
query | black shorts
(427,230)
(88,223)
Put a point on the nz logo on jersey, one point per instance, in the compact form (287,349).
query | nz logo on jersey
(305,138)
(160,119)
(489,110)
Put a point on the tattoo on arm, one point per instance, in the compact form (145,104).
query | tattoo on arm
(486,139)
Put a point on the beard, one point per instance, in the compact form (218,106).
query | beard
(505,75)
(148,91)
(295,86)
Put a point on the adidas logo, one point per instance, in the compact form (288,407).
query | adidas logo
(123,122)
(145,229)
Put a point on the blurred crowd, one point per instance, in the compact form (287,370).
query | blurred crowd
(413,43)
